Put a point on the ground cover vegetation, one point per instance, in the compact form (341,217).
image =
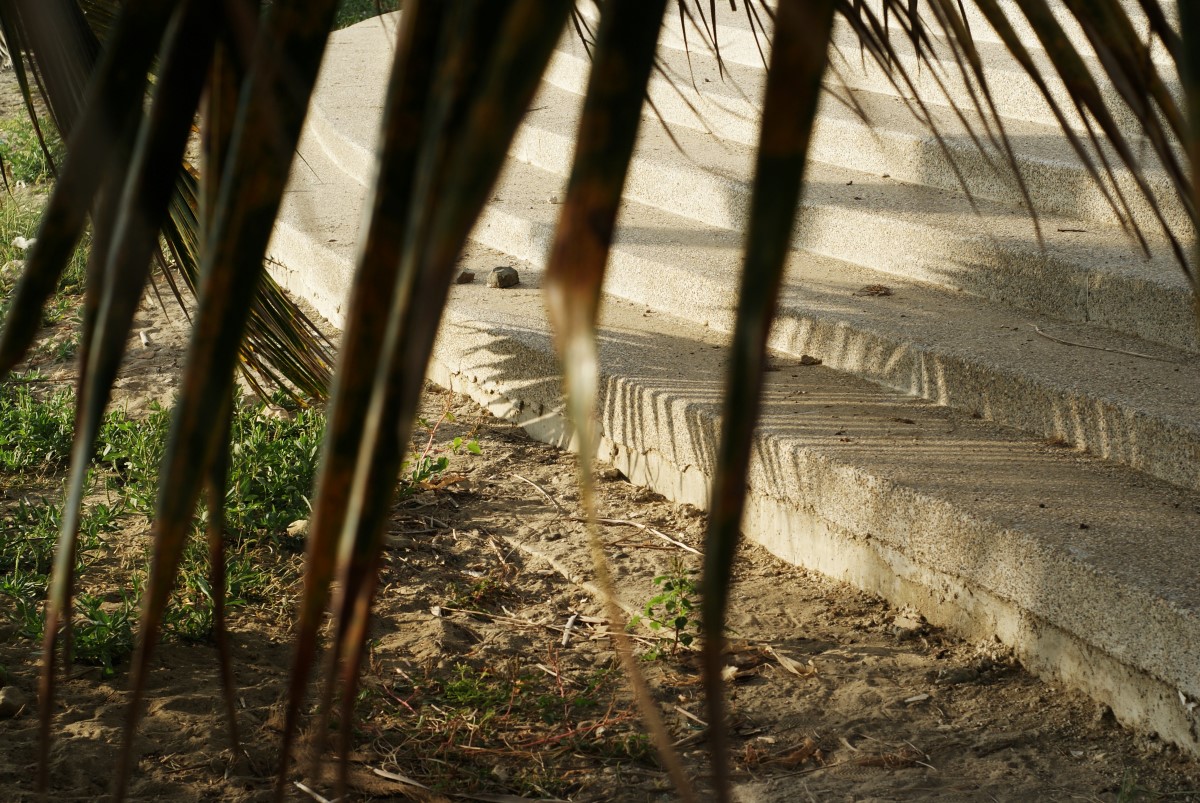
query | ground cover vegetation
(464,72)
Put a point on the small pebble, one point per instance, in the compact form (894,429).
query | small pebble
(465,277)
(553,199)
(610,474)
(11,702)
(503,276)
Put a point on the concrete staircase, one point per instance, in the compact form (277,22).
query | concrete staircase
(1004,435)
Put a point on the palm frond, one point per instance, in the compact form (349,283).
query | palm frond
(623,58)
(370,300)
(798,61)
(485,83)
(271,109)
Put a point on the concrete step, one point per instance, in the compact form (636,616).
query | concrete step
(1085,272)
(988,533)
(312,249)
(695,93)
(1088,272)
(1014,93)
(947,347)
(944,346)
(1084,569)
(982,30)
(1083,565)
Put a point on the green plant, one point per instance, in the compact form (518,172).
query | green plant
(25,589)
(19,215)
(104,631)
(672,608)
(37,429)
(21,150)
(354,11)
(433,459)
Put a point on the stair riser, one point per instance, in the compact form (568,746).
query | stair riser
(319,276)
(1019,274)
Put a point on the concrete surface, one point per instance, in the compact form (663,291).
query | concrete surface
(924,460)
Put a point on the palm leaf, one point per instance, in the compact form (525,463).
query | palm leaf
(476,137)
(220,112)
(1189,73)
(1085,92)
(281,338)
(457,66)
(621,65)
(109,109)
(370,299)
(798,60)
(271,111)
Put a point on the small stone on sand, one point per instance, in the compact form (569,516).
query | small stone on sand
(503,276)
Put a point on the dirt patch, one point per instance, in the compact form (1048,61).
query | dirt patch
(490,671)
(474,684)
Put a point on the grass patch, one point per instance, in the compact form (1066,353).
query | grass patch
(271,473)
(480,728)
(37,427)
(273,463)
(351,12)
(24,159)
(20,214)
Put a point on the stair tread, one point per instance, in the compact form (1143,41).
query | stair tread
(695,93)
(1012,90)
